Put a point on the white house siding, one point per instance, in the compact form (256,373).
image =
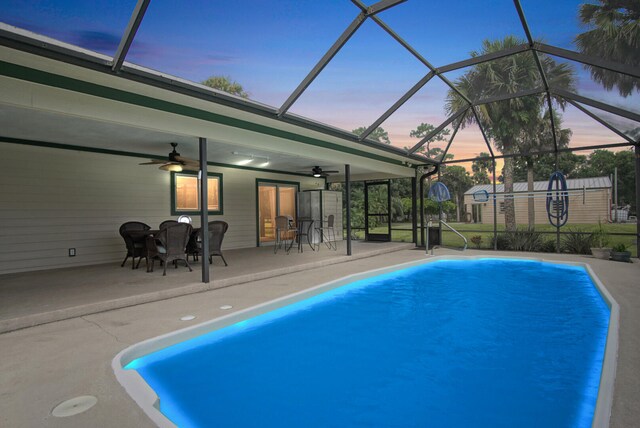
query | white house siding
(53,199)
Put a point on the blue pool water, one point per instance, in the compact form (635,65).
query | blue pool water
(484,343)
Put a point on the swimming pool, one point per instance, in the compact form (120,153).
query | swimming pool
(480,342)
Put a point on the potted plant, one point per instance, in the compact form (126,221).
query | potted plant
(600,240)
(619,253)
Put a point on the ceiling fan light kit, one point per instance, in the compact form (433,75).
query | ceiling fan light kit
(172,167)
(318,172)
(175,162)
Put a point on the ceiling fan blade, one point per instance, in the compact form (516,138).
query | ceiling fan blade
(153,162)
(186,161)
(331,172)
(189,167)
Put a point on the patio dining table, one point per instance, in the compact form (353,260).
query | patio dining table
(304,226)
(142,235)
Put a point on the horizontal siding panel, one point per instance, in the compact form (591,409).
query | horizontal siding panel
(52,200)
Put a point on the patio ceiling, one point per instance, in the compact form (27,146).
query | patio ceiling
(49,128)
(381,58)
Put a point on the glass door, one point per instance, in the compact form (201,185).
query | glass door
(377,211)
(274,199)
(267,212)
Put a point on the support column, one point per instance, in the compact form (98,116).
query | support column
(495,208)
(440,210)
(204,210)
(557,212)
(422,242)
(414,211)
(347,181)
(638,199)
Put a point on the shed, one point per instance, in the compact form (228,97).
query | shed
(589,201)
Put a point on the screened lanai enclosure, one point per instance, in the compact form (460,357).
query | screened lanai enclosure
(489,100)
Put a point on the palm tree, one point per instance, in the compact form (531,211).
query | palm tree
(507,122)
(537,137)
(614,34)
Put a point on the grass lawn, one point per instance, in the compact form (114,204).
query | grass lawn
(486,232)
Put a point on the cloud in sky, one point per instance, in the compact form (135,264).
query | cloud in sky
(98,41)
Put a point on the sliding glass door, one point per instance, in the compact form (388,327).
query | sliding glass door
(274,198)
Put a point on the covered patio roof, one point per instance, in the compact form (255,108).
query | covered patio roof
(85,110)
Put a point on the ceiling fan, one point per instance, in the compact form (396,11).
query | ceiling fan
(317,171)
(175,162)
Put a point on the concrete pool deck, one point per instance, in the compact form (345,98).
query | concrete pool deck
(44,365)
(33,298)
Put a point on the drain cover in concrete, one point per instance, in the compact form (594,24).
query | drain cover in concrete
(187,318)
(226,307)
(74,406)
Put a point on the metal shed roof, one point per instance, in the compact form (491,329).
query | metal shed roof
(572,184)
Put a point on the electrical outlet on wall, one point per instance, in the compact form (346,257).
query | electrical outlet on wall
(72,252)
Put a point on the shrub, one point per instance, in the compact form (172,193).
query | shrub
(576,242)
(500,242)
(477,240)
(524,240)
(548,246)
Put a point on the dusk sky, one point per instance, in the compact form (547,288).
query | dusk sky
(269,47)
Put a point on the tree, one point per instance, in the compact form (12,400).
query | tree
(537,136)
(480,168)
(506,121)
(422,131)
(602,163)
(378,134)
(571,165)
(613,33)
(458,181)
(226,84)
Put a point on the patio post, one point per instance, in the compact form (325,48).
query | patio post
(414,210)
(638,200)
(347,181)
(204,210)
(557,186)
(495,209)
(422,242)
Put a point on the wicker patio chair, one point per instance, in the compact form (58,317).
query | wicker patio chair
(193,246)
(135,242)
(217,229)
(168,223)
(168,245)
